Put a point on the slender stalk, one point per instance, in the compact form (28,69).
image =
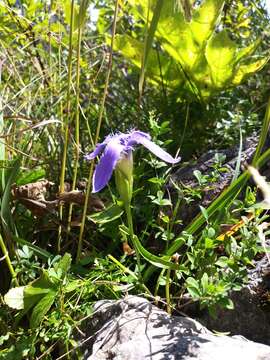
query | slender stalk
(122,267)
(8,261)
(167,291)
(77,123)
(66,127)
(102,107)
(131,233)
(138,256)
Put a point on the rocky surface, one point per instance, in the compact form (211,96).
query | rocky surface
(134,329)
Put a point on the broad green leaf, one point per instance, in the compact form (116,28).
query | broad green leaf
(226,303)
(205,61)
(36,290)
(41,309)
(73,285)
(193,287)
(112,213)
(205,19)
(247,51)
(14,298)
(160,68)
(220,54)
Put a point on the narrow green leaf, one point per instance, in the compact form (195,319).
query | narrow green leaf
(5,212)
(161,262)
(43,254)
(204,282)
(149,41)
(83,12)
(239,157)
(263,134)
(30,176)
(2,142)
(111,213)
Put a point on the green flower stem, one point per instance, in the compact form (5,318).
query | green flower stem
(122,267)
(8,261)
(138,256)
(131,233)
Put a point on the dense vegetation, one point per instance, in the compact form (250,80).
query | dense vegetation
(192,75)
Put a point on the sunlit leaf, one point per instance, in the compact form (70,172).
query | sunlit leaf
(206,61)
(14,298)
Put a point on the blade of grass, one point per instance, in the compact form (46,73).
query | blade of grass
(82,17)
(41,253)
(149,37)
(4,205)
(239,157)
(263,134)
(66,125)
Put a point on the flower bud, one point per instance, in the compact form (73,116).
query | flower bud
(124,178)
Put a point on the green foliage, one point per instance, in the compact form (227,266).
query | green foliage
(54,75)
(41,293)
(196,58)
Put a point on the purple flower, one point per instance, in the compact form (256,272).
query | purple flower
(120,146)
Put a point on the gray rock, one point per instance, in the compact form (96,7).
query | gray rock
(134,329)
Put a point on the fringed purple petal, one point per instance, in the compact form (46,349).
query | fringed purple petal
(105,167)
(100,147)
(135,135)
(142,138)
